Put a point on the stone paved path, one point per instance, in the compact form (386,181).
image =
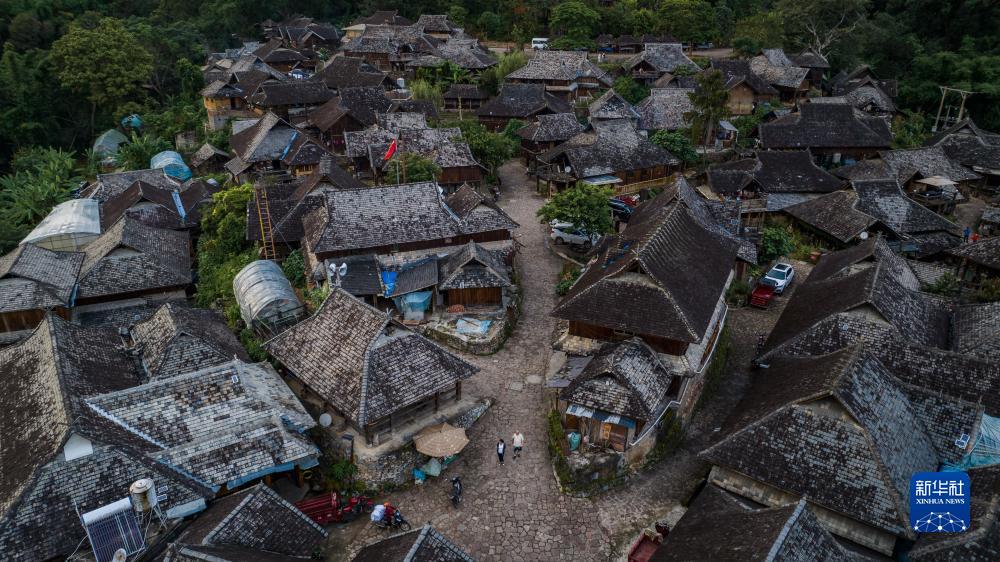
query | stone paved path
(515,512)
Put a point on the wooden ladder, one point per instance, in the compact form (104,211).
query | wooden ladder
(266,229)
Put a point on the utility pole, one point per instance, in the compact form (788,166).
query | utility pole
(945,90)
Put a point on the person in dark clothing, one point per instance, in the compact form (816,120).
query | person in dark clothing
(501,447)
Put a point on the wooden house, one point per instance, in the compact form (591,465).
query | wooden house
(472,276)
(568,75)
(547,132)
(519,101)
(930,177)
(272,144)
(350,72)
(657,59)
(34,281)
(746,89)
(834,133)
(774,67)
(665,109)
(814,62)
(330,121)
(978,261)
(465,97)
(974,148)
(367,369)
(290,100)
(208,160)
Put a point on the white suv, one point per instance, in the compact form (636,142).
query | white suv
(780,277)
(566,233)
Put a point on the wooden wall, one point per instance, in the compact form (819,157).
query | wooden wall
(477,296)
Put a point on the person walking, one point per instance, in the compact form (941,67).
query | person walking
(501,447)
(518,442)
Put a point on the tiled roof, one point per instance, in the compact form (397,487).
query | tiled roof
(109,185)
(793,171)
(981,543)
(437,23)
(976,330)
(523,101)
(612,146)
(271,138)
(626,379)
(356,219)
(825,126)
(364,103)
(411,276)
(164,209)
(344,72)
(133,257)
(926,162)
(885,200)
(222,425)
(865,279)
(732,177)
(720,217)
(205,153)
(178,339)
(985,252)
(362,363)
(776,68)
(559,65)
(421,545)
(363,275)
(611,106)
(664,57)
(472,266)
(662,276)
(257,519)
(443,146)
(810,59)
(465,92)
(837,430)
(292,92)
(464,53)
(719,527)
(874,169)
(665,108)
(554,127)
(834,214)
(34,278)
(383,17)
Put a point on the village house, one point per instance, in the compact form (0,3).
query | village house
(546,132)
(208,159)
(135,263)
(400,218)
(519,101)
(349,72)
(611,106)
(931,178)
(834,218)
(469,97)
(33,282)
(719,524)
(816,63)
(437,26)
(975,149)
(254,524)
(868,98)
(380,17)
(774,66)
(619,396)
(665,109)
(747,90)
(108,186)
(373,373)
(272,144)
(844,82)
(632,287)
(609,153)
(989,222)
(465,53)
(60,457)
(157,207)
(290,100)
(472,276)
(226,94)
(331,121)
(425,543)
(389,47)
(834,133)
(568,75)
(977,261)
(274,54)
(657,59)
(304,33)
(918,230)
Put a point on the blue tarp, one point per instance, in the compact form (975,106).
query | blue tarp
(413,305)
(472,326)
(172,164)
(389,282)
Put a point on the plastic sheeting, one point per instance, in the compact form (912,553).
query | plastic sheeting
(172,164)
(108,142)
(414,305)
(985,451)
(432,468)
(68,227)
(472,326)
(264,293)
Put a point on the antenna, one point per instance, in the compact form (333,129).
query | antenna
(337,272)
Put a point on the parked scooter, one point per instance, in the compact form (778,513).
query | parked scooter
(389,517)
(456,491)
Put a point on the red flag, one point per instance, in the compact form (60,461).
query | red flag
(391,151)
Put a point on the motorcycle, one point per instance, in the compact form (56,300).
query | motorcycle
(395,521)
(456,491)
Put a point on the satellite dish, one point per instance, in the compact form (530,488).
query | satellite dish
(342,271)
(120,555)
(325,419)
(863,236)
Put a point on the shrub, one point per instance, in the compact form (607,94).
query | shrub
(989,291)
(566,280)
(294,268)
(775,242)
(947,285)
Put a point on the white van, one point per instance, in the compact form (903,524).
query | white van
(540,43)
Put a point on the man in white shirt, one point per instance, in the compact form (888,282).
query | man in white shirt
(518,442)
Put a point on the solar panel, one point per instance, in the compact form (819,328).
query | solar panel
(112,527)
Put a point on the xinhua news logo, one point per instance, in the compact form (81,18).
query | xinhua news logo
(940,502)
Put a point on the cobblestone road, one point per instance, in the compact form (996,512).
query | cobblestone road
(515,512)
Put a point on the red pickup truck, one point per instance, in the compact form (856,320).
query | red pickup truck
(762,294)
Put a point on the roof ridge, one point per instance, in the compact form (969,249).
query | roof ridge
(785,530)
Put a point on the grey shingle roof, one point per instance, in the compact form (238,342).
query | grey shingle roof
(355,219)
(443,146)
(985,252)
(612,146)
(163,210)
(257,519)
(626,379)
(292,92)
(411,276)
(833,213)
(885,200)
(559,65)
(109,185)
(777,69)
(664,57)
(977,330)
(719,527)
(363,275)
(133,257)
(344,72)
(611,106)
(523,101)
(553,127)
(421,545)
(878,433)
(178,339)
(362,363)
(926,162)
(662,276)
(720,217)
(665,108)
(205,153)
(34,278)
(825,126)
(465,92)
(793,171)
(738,71)
(809,59)
(272,138)
(472,266)
(220,425)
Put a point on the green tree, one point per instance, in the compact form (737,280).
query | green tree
(775,242)
(575,19)
(105,64)
(458,14)
(911,130)
(676,143)
(136,154)
(757,32)
(947,285)
(688,20)
(410,168)
(223,249)
(491,78)
(583,205)
(819,24)
(490,25)
(490,149)
(632,91)
(426,91)
(41,179)
(709,100)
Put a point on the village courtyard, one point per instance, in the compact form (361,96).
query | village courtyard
(516,511)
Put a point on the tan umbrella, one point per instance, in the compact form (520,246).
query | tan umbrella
(440,440)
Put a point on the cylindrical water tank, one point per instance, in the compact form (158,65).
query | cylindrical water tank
(143,493)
